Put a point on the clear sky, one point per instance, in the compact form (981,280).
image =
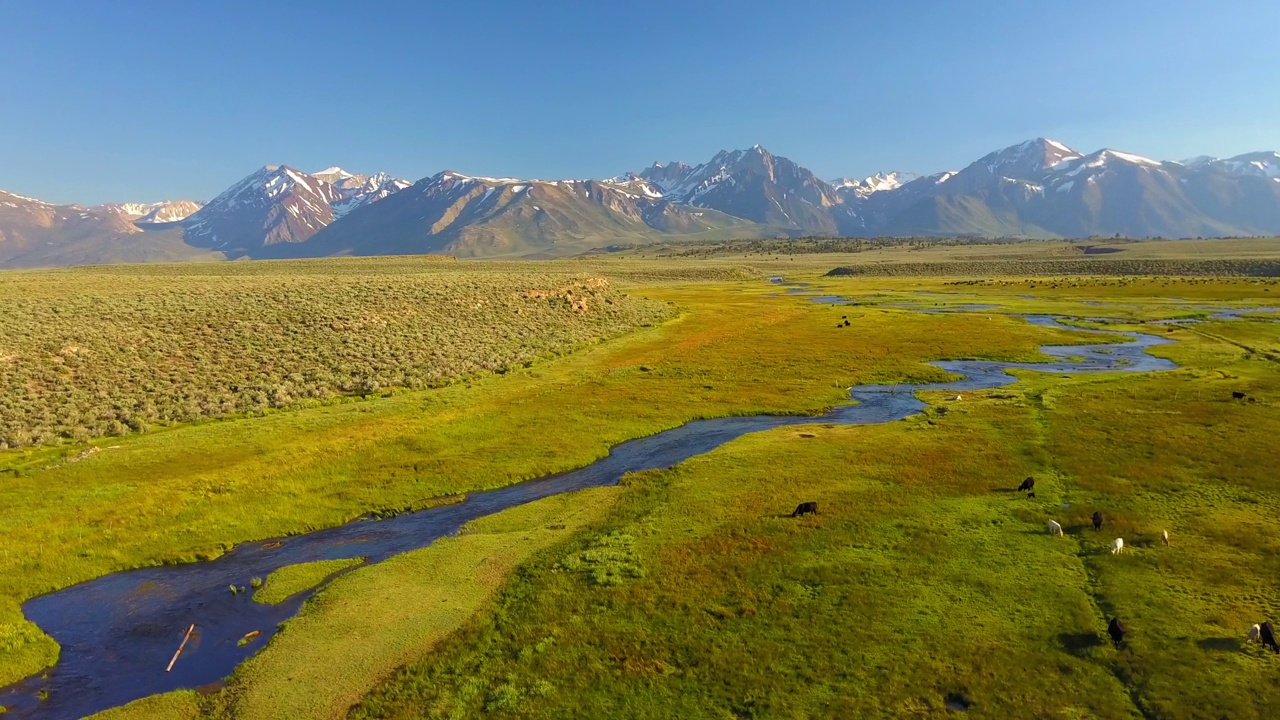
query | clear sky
(137,100)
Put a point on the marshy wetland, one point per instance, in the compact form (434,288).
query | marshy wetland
(715,403)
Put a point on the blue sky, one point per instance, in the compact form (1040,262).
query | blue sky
(134,100)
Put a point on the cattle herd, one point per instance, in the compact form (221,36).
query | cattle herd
(1263,633)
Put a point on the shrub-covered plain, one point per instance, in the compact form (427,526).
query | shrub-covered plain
(98,352)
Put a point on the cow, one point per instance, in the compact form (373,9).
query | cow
(1164,537)
(1117,631)
(1031,496)
(1255,634)
(1237,395)
(1117,546)
(1028,485)
(1097,520)
(805,508)
(1268,636)
(1055,528)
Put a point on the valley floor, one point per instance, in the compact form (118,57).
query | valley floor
(923,583)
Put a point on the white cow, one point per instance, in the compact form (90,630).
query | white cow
(1255,634)
(1055,528)
(1164,537)
(1117,546)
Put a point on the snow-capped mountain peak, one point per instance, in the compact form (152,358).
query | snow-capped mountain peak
(372,189)
(278,203)
(333,174)
(1259,164)
(873,184)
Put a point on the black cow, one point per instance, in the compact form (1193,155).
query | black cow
(1097,520)
(1269,637)
(805,508)
(1031,495)
(1117,630)
(1236,394)
(1029,484)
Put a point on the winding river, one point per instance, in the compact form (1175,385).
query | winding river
(119,631)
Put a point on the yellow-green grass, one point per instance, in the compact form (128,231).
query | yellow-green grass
(293,579)
(371,621)
(176,705)
(924,576)
(190,492)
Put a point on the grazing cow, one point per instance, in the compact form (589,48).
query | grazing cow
(1117,546)
(1255,634)
(1164,537)
(1097,520)
(1268,636)
(1055,528)
(1031,496)
(1237,395)
(1116,630)
(1028,484)
(805,508)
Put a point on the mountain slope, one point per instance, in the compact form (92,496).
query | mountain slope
(1042,188)
(475,216)
(280,204)
(763,188)
(34,233)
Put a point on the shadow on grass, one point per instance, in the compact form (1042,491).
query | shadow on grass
(1079,644)
(1223,644)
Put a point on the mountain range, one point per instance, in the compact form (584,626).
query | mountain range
(1039,189)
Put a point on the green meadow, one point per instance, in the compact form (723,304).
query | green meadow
(924,584)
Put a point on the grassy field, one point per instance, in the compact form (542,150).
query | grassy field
(683,592)
(192,491)
(924,578)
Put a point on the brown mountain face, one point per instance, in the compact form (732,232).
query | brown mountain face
(34,233)
(763,188)
(282,205)
(475,216)
(277,204)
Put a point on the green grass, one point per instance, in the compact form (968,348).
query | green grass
(177,705)
(293,579)
(923,577)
